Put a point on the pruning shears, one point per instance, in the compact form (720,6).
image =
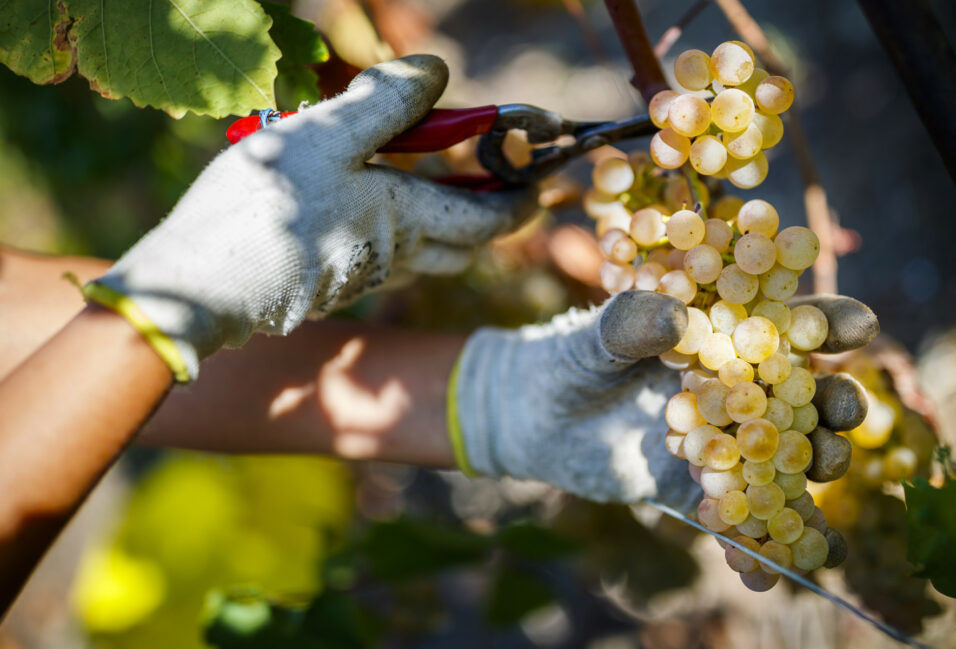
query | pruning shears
(443,128)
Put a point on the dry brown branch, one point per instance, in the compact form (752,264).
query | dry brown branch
(648,77)
(669,37)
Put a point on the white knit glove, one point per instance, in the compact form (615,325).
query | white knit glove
(293,219)
(579,402)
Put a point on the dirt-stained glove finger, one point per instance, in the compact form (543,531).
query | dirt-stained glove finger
(640,324)
(433,258)
(831,455)
(840,400)
(852,324)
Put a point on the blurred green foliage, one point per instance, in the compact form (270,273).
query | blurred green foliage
(931,527)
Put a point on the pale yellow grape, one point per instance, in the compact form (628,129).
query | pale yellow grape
(685,229)
(765,500)
(669,149)
(797,247)
(778,553)
(774,369)
(660,256)
(695,442)
(808,327)
(779,283)
(721,452)
(616,277)
(771,129)
(677,284)
(758,216)
(715,350)
(785,526)
(798,388)
(703,264)
(805,419)
(755,339)
(725,316)
(598,204)
(736,286)
(753,527)
(618,218)
(745,401)
(738,560)
(609,238)
(718,235)
(732,63)
(803,505)
(794,453)
(784,346)
(759,581)
(744,144)
(677,192)
(676,361)
(639,161)
(681,412)
(774,94)
(732,507)
(750,85)
(659,105)
(675,259)
(647,226)
(707,155)
(776,312)
(694,472)
(698,327)
(779,413)
(732,110)
(647,276)
(810,550)
(711,398)
(759,473)
(747,174)
(692,70)
(613,176)
(735,371)
(694,379)
(799,359)
(689,115)
(623,251)
(716,483)
(899,463)
(726,208)
(709,516)
(793,484)
(755,253)
(757,440)
(817,521)
(674,443)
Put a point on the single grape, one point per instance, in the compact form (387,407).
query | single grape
(803,505)
(718,235)
(711,399)
(698,327)
(640,162)
(750,85)
(717,483)
(721,453)
(817,521)
(692,70)
(755,339)
(755,253)
(758,580)
(771,129)
(747,174)
(797,247)
(757,440)
(797,389)
(805,418)
(765,500)
(715,350)
(612,176)
(685,229)
(758,473)
(623,251)
(799,359)
(694,472)
(707,155)
(618,218)
(732,110)
(647,226)
(753,527)
(899,463)
(758,216)
(779,413)
(609,238)
(669,149)
(676,361)
(674,443)
(774,369)
(709,516)
(778,553)
(740,561)
(735,371)
(774,94)
(681,412)
(689,115)
(793,455)
(736,286)
(732,507)
(660,256)
(776,312)
(660,105)
(808,327)
(703,264)
(648,275)
(779,283)
(693,380)
(725,208)
(598,204)
(695,442)
(677,284)
(744,144)
(616,277)
(675,259)
(745,401)
(725,316)
(732,63)
(785,526)
(810,550)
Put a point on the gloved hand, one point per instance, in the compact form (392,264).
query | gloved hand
(293,219)
(579,402)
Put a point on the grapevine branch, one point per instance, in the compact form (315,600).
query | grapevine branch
(669,37)
(814,196)
(648,77)
(576,11)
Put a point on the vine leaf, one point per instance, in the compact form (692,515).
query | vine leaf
(211,57)
(931,532)
(301,48)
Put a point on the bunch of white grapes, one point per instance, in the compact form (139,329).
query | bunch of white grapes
(731,116)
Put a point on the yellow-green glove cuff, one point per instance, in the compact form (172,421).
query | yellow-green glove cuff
(454,425)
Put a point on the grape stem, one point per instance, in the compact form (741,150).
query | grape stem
(648,76)
(819,217)
(669,37)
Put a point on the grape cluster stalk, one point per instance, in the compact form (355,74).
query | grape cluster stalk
(745,411)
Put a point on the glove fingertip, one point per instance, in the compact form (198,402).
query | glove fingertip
(639,324)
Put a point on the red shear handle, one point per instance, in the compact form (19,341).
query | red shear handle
(440,129)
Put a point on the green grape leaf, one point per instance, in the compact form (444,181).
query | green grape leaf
(513,595)
(931,532)
(211,57)
(535,542)
(301,48)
